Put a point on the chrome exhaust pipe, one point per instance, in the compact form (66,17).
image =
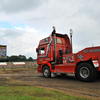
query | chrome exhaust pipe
(71,32)
(54,33)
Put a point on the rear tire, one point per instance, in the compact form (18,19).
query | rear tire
(86,72)
(46,72)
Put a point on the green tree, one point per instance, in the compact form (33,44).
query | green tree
(19,58)
(22,58)
(13,58)
(30,59)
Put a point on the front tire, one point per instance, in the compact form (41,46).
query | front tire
(86,72)
(46,72)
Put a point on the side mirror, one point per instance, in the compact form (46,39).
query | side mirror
(36,49)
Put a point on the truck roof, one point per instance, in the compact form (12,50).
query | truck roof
(47,39)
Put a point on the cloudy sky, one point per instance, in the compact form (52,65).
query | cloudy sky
(24,22)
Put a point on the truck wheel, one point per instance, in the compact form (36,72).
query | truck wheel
(86,72)
(46,72)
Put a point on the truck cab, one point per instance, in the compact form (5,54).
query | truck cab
(46,52)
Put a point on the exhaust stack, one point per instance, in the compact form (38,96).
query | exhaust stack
(71,32)
(54,31)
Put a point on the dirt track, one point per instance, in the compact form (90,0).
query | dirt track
(67,84)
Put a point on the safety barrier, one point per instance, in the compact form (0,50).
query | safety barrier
(15,65)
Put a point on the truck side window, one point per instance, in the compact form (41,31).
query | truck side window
(41,51)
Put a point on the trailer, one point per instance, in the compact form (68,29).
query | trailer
(55,55)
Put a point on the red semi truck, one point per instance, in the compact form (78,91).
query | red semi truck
(54,55)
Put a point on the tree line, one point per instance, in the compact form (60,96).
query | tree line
(19,58)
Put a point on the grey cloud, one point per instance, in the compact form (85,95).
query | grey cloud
(90,8)
(13,6)
(12,33)
(82,16)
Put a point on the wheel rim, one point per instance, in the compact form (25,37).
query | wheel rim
(46,72)
(84,72)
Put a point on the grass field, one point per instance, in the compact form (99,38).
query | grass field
(30,92)
(14,90)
